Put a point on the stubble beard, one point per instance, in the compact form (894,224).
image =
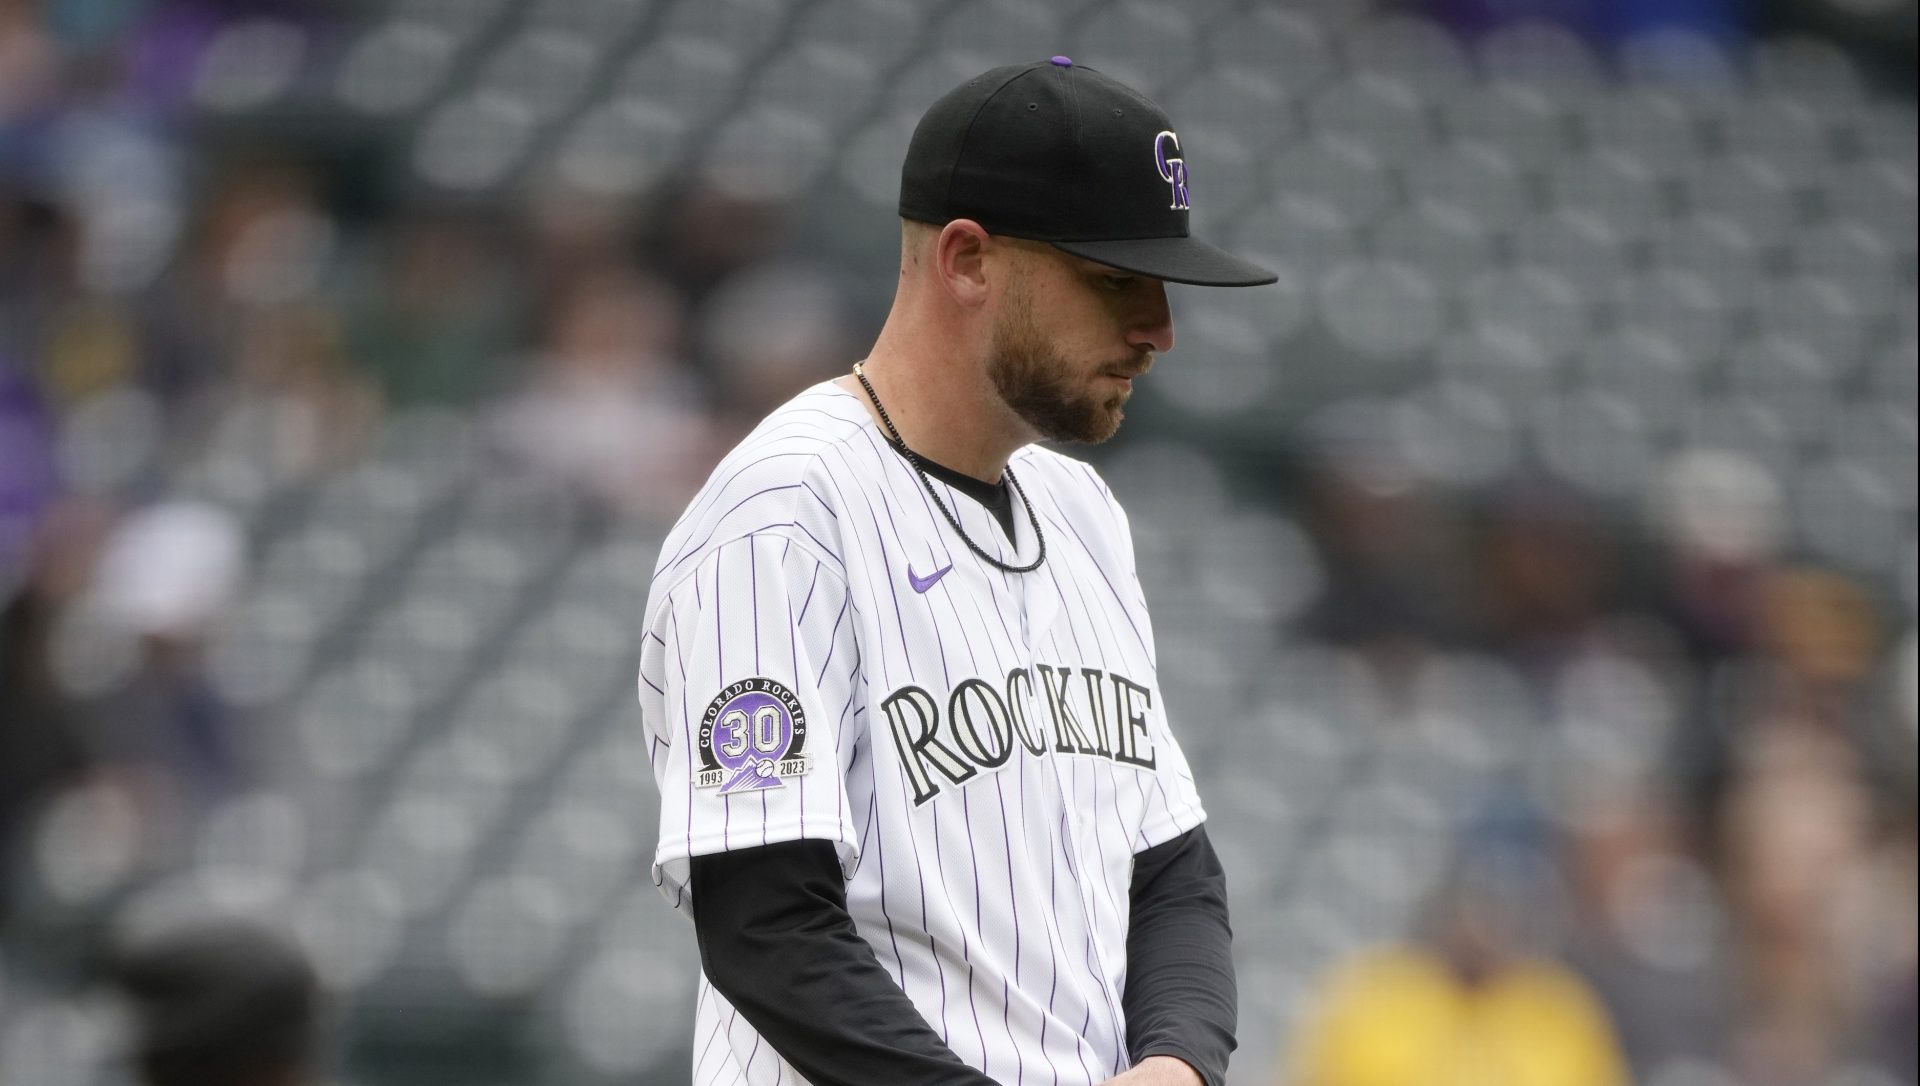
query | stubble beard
(1039,385)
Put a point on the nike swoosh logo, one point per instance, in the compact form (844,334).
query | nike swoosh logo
(921,584)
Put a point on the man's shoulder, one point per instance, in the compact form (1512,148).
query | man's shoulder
(786,446)
(823,415)
(773,481)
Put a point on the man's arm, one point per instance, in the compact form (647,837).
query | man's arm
(777,941)
(1180,999)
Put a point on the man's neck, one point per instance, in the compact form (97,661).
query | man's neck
(943,409)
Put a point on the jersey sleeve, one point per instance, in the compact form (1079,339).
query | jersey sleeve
(1173,803)
(746,689)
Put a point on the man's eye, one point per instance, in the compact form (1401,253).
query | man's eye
(1119,282)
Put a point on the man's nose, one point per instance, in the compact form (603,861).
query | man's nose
(1152,324)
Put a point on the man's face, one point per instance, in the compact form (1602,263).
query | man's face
(1070,337)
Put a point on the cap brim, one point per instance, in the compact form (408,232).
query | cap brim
(1176,260)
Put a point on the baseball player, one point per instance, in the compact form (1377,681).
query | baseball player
(919,787)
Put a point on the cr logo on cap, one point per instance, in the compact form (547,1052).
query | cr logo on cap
(1173,169)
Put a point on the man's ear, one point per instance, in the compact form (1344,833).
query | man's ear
(960,261)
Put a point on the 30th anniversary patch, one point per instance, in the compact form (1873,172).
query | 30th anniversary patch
(752,736)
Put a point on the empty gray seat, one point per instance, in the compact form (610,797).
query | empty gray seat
(1858,253)
(465,18)
(1826,315)
(1478,175)
(357,716)
(1275,39)
(1498,357)
(1410,47)
(1715,247)
(1784,131)
(1663,57)
(1682,305)
(981,34)
(1877,191)
(1543,53)
(1306,234)
(1795,381)
(1650,122)
(548,69)
(621,147)
(1741,424)
(1849,512)
(745,27)
(609,22)
(1597,441)
(1578,244)
(1337,170)
(1613,183)
(473,143)
(424,846)
(1385,112)
(832,83)
(629,1008)
(1456,433)
(1812,70)
(1523,121)
(395,67)
(351,923)
(1747,188)
(1226,178)
(529,715)
(507,937)
(1248,103)
(1383,311)
(693,78)
(1648,368)
(1154,43)
(769,154)
(1447,240)
(881,31)
(1879,433)
(1534,299)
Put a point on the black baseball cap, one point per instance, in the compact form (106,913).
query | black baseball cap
(1057,152)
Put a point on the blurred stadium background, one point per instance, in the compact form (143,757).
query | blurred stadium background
(1534,566)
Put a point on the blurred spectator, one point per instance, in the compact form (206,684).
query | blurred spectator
(1393,549)
(261,240)
(29,63)
(770,332)
(706,234)
(432,311)
(135,654)
(1479,1003)
(607,408)
(1815,940)
(1722,519)
(221,1003)
(293,407)
(42,742)
(1547,575)
(27,481)
(1648,928)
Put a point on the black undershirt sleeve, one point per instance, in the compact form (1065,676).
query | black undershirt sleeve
(1180,998)
(776,940)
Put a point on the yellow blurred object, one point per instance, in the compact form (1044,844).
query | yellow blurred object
(90,347)
(1821,625)
(1402,1018)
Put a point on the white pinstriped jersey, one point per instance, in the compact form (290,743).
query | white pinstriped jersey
(826,659)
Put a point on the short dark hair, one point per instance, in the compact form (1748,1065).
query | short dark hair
(220,1003)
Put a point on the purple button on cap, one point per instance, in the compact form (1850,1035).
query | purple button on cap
(1064,62)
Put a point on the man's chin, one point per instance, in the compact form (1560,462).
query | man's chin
(1093,428)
